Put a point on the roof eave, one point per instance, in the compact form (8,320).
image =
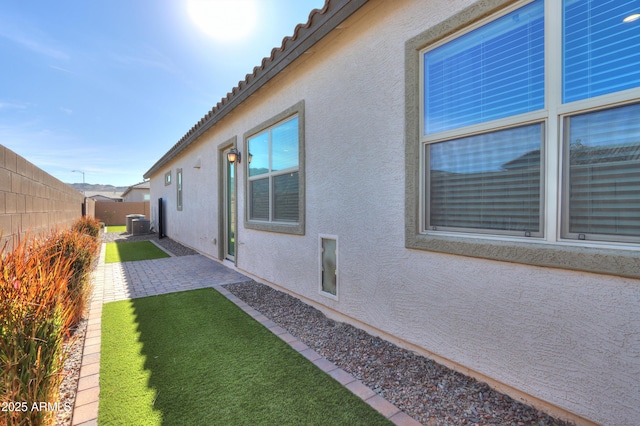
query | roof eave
(320,23)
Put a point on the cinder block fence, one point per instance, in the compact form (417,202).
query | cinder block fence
(31,200)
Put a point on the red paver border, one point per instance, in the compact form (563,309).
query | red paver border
(85,410)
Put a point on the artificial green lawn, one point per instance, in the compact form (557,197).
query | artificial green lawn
(118,228)
(134,250)
(194,358)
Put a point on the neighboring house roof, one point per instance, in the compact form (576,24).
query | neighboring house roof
(583,154)
(524,161)
(141,185)
(320,23)
(108,195)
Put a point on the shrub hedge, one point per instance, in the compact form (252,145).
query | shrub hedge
(87,225)
(45,289)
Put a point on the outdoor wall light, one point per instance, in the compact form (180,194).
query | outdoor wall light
(632,18)
(233,155)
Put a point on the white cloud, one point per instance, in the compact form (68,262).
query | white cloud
(36,46)
(148,57)
(61,69)
(13,105)
(58,153)
(31,38)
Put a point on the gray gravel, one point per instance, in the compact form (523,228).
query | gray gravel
(71,373)
(427,391)
(166,242)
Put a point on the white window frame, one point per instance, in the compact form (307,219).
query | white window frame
(286,227)
(271,175)
(553,118)
(179,192)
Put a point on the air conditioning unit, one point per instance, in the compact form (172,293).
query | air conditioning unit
(140,226)
(130,217)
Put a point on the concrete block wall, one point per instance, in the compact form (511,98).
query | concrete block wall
(31,200)
(112,213)
(90,207)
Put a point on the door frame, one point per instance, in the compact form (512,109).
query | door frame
(222,201)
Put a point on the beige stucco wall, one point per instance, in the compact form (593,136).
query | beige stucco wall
(196,225)
(136,195)
(563,338)
(31,200)
(89,207)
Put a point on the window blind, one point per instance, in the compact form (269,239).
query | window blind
(259,199)
(604,172)
(493,72)
(285,197)
(600,51)
(489,181)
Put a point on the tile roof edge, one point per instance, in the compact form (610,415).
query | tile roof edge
(320,23)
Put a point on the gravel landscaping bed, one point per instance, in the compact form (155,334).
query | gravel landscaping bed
(71,372)
(427,391)
(166,242)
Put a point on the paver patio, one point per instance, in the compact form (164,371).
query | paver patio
(127,280)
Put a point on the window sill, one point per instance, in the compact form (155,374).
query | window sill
(620,262)
(329,295)
(283,228)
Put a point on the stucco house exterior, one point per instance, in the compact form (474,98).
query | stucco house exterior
(108,196)
(137,193)
(460,177)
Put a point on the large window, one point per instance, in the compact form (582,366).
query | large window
(275,189)
(529,125)
(273,173)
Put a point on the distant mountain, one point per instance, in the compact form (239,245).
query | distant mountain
(92,187)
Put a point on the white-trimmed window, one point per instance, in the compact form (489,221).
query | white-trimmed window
(273,173)
(274,166)
(179,189)
(529,124)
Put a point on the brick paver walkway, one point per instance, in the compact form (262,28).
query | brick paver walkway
(127,280)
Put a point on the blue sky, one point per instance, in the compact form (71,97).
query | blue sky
(108,87)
